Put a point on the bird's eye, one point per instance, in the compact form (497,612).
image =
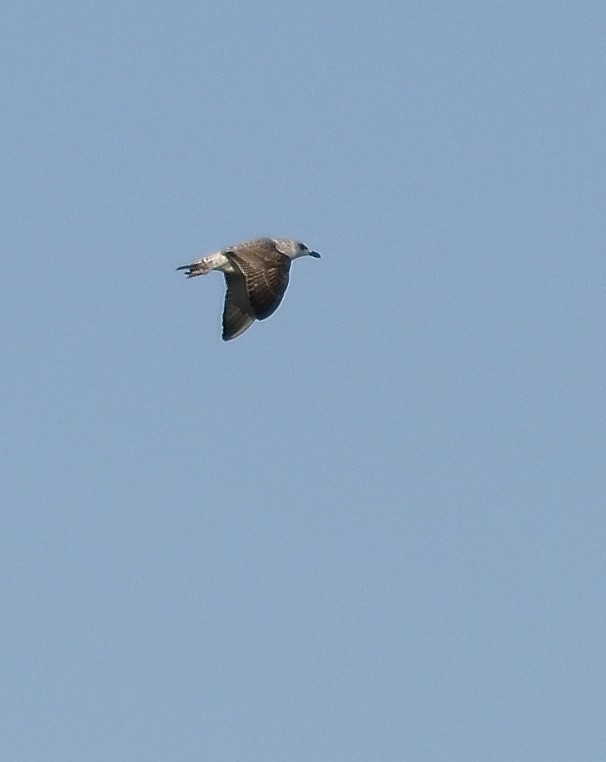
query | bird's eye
(302,247)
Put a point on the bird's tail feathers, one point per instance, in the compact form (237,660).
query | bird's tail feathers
(196,268)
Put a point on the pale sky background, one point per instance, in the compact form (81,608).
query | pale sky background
(373,527)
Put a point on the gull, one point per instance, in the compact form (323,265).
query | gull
(256,277)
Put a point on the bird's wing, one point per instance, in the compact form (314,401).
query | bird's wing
(265,271)
(238,314)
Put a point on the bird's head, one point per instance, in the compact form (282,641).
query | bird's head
(294,249)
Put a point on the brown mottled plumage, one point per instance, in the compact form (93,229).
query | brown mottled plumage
(256,275)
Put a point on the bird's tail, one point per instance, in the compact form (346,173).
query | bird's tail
(201,267)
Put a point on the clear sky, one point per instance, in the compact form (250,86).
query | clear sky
(373,527)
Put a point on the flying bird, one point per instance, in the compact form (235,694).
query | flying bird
(256,277)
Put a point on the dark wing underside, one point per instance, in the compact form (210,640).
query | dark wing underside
(255,287)
(238,314)
(265,272)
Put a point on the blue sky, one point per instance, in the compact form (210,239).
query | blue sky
(372,527)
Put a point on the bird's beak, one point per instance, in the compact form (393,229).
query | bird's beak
(314,254)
